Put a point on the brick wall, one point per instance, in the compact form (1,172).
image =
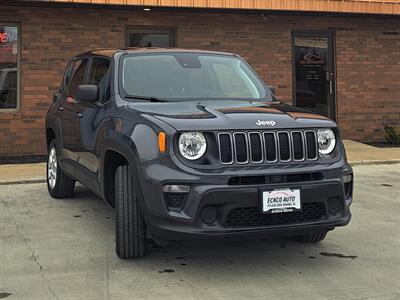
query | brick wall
(368,59)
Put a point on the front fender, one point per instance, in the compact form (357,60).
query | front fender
(139,148)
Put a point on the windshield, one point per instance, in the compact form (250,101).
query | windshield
(190,76)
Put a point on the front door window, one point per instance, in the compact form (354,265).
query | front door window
(314,85)
(99,75)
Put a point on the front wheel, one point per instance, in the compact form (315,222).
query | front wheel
(59,185)
(130,228)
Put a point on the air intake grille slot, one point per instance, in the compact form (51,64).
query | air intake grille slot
(311,144)
(298,145)
(256,149)
(267,147)
(225,148)
(240,141)
(270,147)
(251,216)
(284,146)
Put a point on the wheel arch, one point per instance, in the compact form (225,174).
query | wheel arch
(50,135)
(112,160)
(115,154)
(119,148)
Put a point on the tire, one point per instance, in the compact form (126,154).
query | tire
(129,225)
(59,184)
(312,238)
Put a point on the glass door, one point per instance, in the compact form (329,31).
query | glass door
(314,76)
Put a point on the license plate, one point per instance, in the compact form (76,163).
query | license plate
(281,200)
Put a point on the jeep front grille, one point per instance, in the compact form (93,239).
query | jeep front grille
(267,147)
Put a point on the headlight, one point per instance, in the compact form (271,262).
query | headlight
(192,145)
(326,141)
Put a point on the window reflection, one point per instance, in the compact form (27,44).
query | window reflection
(149,40)
(8,67)
(151,37)
(311,63)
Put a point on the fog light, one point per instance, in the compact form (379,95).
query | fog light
(348,188)
(209,215)
(176,188)
(175,196)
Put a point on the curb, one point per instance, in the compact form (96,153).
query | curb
(22,181)
(374,162)
(352,163)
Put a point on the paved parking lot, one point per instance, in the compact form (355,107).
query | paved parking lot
(64,249)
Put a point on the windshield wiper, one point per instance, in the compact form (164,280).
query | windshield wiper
(148,98)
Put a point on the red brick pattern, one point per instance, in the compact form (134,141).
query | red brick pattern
(367,55)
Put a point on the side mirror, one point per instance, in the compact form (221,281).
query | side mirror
(87,93)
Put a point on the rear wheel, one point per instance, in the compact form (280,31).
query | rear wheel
(312,238)
(130,227)
(59,185)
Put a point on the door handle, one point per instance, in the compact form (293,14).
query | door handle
(329,78)
(74,113)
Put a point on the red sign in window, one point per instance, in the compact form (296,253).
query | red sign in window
(3,37)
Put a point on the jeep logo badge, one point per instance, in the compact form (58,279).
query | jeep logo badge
(265,123)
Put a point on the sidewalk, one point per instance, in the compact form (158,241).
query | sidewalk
(22,173)
(362,154)
(357,154)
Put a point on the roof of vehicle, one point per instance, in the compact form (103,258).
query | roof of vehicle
(111,52)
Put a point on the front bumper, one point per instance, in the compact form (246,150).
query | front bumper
(325,201)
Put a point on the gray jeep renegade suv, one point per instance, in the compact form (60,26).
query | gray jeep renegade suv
(189,144)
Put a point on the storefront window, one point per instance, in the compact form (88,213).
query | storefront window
(9,60)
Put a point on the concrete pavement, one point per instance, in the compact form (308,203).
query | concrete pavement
(64,249)
(357,154)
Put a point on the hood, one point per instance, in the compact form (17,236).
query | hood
(231,115)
